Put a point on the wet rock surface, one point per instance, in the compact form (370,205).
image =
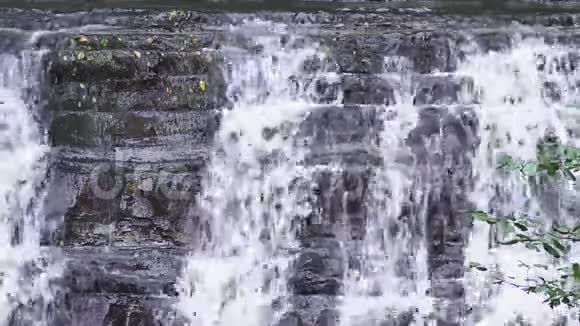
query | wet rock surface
(134,106)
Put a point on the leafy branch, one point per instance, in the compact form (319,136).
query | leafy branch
(554,160)
(555,241)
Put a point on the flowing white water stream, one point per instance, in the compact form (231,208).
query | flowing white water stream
(247,239)
(382,288)
(505,128)
(22,169)
(247,206)
(515,129)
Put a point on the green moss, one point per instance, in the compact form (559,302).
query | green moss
(131,187)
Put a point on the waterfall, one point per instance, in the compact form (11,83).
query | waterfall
(392,278)
(520,73)
(25,270)
(248,207)
(438,157)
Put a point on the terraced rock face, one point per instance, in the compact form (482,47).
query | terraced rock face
(145,115)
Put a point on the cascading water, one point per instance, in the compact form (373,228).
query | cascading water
(515,115)
(25,274)
(252,197)
(248,208)
(392,278)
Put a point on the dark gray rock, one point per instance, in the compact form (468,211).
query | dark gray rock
(290,319)
(367,90)
(442,90)
(312,308)
(133,117)
(458,129)
(328,317)
(317,271)
(348,134)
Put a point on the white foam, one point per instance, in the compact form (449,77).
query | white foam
(376,293)
(247,204)
(22,168)
(512,129)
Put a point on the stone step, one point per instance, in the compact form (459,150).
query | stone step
(311,310)
(170,151)
(88,66)
(154,93)
(140,40)
(389,89)
(136,272)
(140,205)
(113,309)
(92,129)
(339,124)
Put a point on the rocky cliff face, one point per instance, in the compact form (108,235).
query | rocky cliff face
(133,104)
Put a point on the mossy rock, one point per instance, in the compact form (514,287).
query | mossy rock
(89,66)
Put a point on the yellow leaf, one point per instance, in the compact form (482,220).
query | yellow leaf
(202,85)
(83,39)
(81,55)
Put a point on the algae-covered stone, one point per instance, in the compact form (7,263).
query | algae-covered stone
(93,66)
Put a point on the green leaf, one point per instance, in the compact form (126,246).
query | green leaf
(520,226)
(509,242)
(567,248)
(552,169)
(532,246)
(561,229)
(482,216)
(576,271)
(83,39)
(554,302)
(523,237)
(544,289)
(531,168)
(558,245)
(505,161)
(506,226)
(568,174)
(551,250)
(522,264)
(202,85)
(541,266)
(104,42)
(531,289)
(477,266)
